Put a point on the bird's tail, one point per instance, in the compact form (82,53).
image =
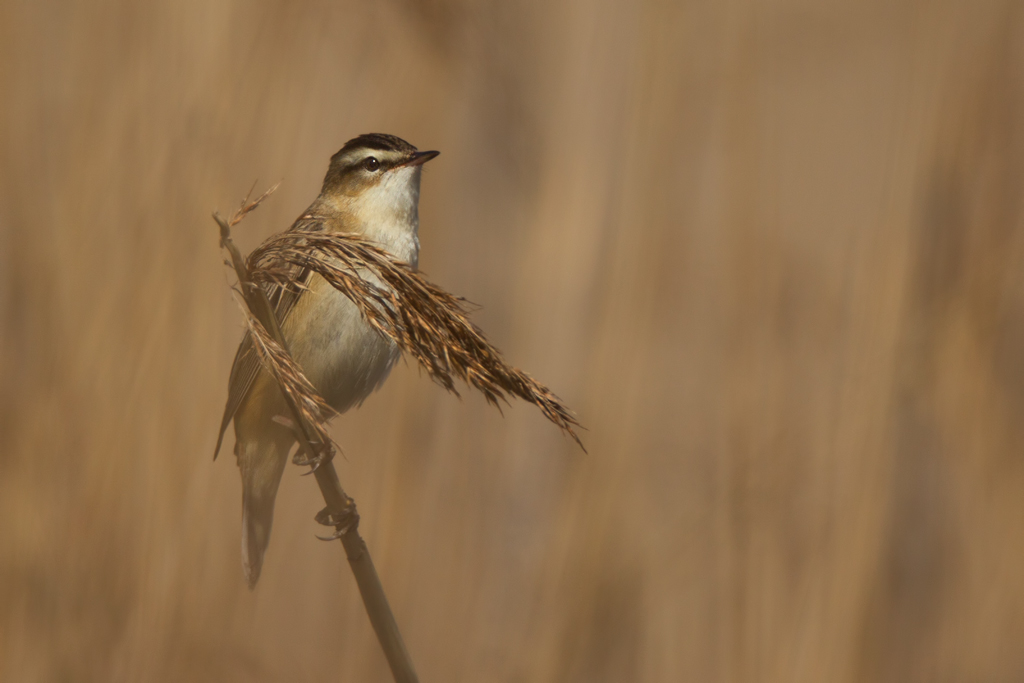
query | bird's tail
(262,463)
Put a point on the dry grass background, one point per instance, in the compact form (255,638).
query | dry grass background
(770,252)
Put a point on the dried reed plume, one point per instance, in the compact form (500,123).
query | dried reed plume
(294,383)
(422,319)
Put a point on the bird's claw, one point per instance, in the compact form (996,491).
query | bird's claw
(302,460)
(342,522)
(301,457)
(333,537)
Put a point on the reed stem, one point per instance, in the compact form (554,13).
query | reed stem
(341,509)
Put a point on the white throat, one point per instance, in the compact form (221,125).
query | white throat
(388,213)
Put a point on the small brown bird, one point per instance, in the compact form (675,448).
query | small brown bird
(372,190)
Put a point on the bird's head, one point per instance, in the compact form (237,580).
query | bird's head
(376,177)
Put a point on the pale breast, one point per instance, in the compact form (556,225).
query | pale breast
(344,358)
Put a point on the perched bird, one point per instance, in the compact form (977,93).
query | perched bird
(371,190)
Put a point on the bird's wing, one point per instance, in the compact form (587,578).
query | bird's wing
(247,364)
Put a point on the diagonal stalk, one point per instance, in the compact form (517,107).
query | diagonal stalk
(341,509)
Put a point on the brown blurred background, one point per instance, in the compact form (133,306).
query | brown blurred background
(771,252)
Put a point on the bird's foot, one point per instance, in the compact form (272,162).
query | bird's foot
(343,522)
(302,458)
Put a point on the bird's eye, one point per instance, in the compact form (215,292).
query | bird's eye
(371,163)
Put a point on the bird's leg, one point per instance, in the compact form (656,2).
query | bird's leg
(302,458)
(344,520)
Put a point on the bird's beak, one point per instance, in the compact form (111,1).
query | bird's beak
(420,158)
